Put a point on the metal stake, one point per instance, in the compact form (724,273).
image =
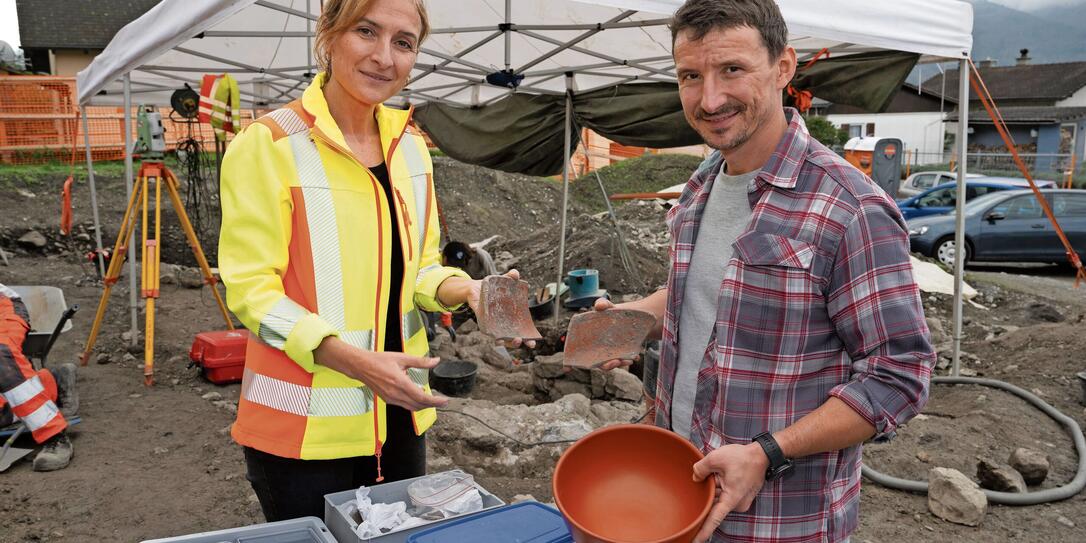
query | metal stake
(959,212)
(565,197)
(94,194)
(132,302)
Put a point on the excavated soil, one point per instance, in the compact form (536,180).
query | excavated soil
(156,462)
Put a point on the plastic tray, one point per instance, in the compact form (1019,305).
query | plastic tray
(299,530)
(343,528)
(525,522)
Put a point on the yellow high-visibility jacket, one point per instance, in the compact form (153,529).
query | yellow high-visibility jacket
(304,253)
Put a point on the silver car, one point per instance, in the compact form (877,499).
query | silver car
(922,181)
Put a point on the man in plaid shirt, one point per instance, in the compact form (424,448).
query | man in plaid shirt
(792,329)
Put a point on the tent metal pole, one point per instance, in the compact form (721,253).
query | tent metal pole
(308,36)
(94,193)
(229,62)
(569,44)
(285,9)
(508,36)
(568,129)
(959,213)
(128,183)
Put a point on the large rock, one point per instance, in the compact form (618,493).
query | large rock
(999,477)
(953,497)
(190,277)
(1044,312)
(33,240)
(549,367)
(623,385)
(1033,465)
(938,333)
(566,387)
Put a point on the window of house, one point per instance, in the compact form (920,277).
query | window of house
(870,129)
(855,130)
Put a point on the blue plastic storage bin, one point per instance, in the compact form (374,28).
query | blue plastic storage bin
(525,522)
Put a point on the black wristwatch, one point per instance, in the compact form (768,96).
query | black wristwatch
(778,464)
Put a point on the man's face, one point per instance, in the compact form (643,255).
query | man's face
(728,85)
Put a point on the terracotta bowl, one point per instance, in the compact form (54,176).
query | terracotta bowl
(631,483)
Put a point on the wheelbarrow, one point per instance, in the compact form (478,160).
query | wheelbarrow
(50,316)
(48,311)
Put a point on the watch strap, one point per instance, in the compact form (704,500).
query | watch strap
(778,464)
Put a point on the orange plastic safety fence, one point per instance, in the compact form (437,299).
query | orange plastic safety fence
(39,122)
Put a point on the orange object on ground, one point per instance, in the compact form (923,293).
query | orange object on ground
(632,483)
(32,395)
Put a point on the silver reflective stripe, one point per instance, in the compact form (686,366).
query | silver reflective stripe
(416,169)
(420,376)
(41,416)
(24,392)
(363,339)
(320,213)
(423,272)
(412,323)
(305,401)
(277,324)
(288,120)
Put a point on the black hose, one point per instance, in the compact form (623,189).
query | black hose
(1006,498)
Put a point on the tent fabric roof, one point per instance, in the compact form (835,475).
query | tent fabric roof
(75,24)
(1029,82)
(265,44)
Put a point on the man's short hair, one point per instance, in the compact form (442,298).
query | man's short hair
(699,17)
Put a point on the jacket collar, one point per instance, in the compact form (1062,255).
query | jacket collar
(391,122)
(782,169)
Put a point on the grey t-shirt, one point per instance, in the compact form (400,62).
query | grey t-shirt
(725,216)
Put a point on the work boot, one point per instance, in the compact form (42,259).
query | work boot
(55,454)
(67,397)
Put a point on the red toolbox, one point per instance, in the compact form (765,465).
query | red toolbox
(220,355)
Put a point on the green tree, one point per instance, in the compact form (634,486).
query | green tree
(823,130)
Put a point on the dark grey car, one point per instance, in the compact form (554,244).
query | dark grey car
(1007,226)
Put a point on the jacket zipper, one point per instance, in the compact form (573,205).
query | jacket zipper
(406,224)
(378,444)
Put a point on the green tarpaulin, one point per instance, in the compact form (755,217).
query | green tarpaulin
(523,133)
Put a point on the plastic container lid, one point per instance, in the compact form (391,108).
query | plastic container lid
(525,522)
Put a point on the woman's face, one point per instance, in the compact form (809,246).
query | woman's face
(373,59)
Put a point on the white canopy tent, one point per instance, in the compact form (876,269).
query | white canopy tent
(554,45)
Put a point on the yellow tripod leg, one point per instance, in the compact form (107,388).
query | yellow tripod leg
(113,272)
(153,256)
(194,243)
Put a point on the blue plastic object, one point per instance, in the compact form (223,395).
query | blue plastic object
(525,522)
(583,283)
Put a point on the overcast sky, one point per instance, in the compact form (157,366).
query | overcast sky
(9,26)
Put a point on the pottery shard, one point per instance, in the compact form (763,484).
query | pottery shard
(953,497)
(1031,464)
(999,477)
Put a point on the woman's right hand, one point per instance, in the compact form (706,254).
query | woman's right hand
(384,373)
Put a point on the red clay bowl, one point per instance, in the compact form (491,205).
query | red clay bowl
(631,483)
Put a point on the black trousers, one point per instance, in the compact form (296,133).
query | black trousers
(290,488)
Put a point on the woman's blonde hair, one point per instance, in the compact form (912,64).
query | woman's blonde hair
(337,17)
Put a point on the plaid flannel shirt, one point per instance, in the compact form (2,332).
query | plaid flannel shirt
(817,300)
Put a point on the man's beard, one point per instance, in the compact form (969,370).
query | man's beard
(738,140)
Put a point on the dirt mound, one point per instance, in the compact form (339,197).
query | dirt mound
(591,243)
(478,202)
(649,173)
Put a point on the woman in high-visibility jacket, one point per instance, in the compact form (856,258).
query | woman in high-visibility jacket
(328,249)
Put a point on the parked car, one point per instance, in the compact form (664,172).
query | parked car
(922,181)
(1006,226)
(943,198)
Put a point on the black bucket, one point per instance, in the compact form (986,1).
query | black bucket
(454,377)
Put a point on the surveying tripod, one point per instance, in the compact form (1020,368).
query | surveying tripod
(157,173)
